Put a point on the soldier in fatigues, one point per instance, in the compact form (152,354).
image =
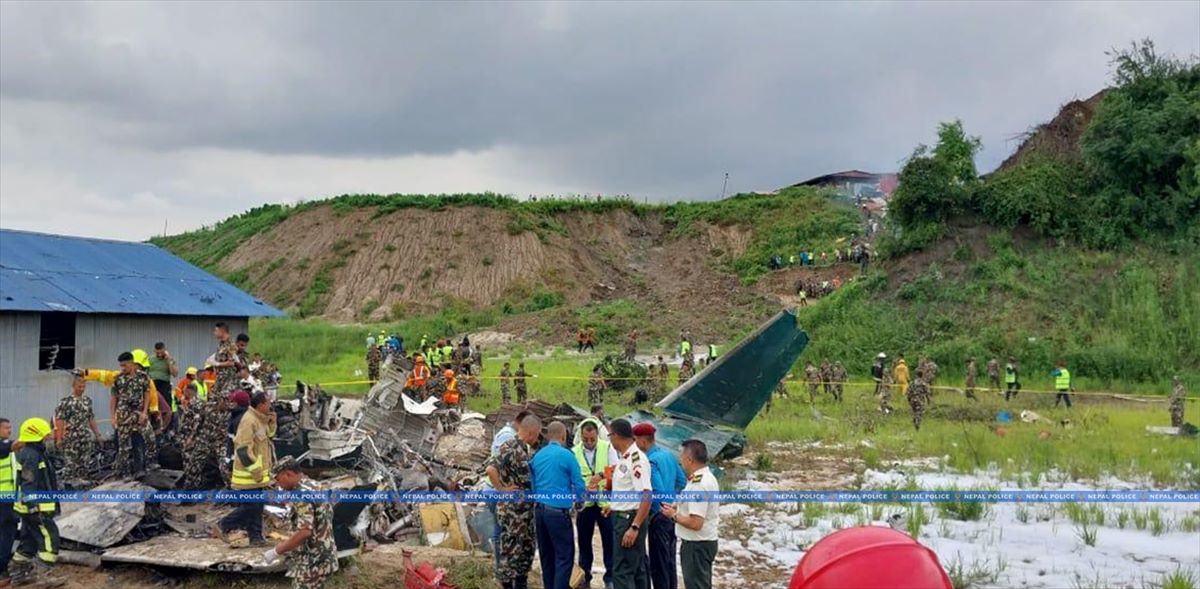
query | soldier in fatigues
(214,442)
(838,375)
(509,471)
(826,373)
(812,376)
(972,373)
(596,386)
(505,379)
(76,433)
(130,403)
(310,551)
(686,370)
(631,346)
(918,397)
(519,383)
(374,359)
(993,372)
(191,420)
(1177,403)
(664,376)
(885,392)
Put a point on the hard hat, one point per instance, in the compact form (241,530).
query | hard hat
(881,356)
(191,371)
(208,366)
(141,358)
(448,373)
(34,429)
(869,558)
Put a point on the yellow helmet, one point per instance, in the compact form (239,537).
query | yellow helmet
(191,371)
(34,429)
(141,358)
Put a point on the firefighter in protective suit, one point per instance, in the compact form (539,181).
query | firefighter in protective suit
(37,550)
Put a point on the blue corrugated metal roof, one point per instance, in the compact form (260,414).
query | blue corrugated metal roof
(41,272)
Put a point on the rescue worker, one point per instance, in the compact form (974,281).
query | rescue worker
(505,381)
(697,522)
(594,456)
(812,377)
(631,475)
(240,344)
(37,550)
(1012,380)
(177,396)
(8,495)
(839,376)
(826,372)
(885,393)
(509,472)
(1177,402)
(918,397)
(877,371)
(972,373)
(685,350)
(664,375)
(419,376)
(1062,384)
(596,386)
(447,352)
(190,419)
(225,364)
(253,459)
(900,375)
(451,397)
(712,353)
(590,344)
(631,346)
(129,407)
(580,339)
(993,372)
(310,550)
(519,383)
(154,421)
(686,370)
(76,433)
(374,360)
(666,477)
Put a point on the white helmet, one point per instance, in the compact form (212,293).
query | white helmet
(881,356)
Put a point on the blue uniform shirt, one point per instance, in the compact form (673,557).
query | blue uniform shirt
(666,476)
(555,470)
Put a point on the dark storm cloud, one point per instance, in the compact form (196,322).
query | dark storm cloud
(656,100)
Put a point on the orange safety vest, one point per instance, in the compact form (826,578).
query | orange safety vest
(419,376)
(451,395)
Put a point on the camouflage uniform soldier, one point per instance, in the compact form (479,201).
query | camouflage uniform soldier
(505,379)
(1177,403)
(918,397)
(838,376)
(664,375)
(631,346)
(885,392)
(812,376)
(130,393)
(993,372)
(972,372)
(517,535)
(310,552)
(596,386)
(374,359)
(780,391)
(215,439)
(191,422)
(519,383)
(686,370)
(76,421)
(827,376)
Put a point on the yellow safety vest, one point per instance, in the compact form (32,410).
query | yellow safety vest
(685,347)
(8,476)
(1010,374)
(242,476)
(1062,382)
(601,465)
(201,390)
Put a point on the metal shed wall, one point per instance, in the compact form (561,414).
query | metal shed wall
(26,391)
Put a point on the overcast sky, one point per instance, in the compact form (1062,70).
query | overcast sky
(116,118)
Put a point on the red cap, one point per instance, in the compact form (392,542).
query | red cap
(241,398)
(869,558)
(644,428)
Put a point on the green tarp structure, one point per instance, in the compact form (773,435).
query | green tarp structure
(722,399)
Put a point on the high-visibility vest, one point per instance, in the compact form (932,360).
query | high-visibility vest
(1010,374)
(1062,382)
(451,394)
(712,351)
(447,353)
(435,356)
(8,475)
(242,476)
(601,464)
(419,376)
(685,347)
(202,390)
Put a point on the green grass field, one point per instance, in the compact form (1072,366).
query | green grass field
(1105,436)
